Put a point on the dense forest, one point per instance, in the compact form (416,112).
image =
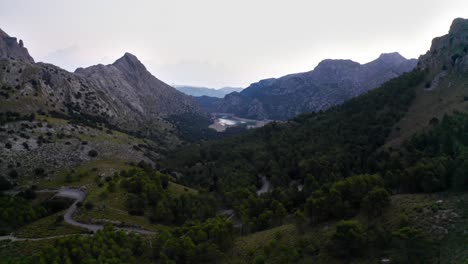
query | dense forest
(197,242)
(147,192)
(326,145)
(19,210)
(108,164)
(328,164)
(313,151)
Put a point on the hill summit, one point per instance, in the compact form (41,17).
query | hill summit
(10,48)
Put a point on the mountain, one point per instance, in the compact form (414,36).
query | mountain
(332,82)
(203,91)
(123,94)
(446,86)
(138,96)
(10,48)
(51,118)
(371,167)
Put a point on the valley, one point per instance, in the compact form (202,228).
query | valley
(347,163)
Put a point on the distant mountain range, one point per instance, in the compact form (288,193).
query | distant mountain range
(204,91)
(330,83)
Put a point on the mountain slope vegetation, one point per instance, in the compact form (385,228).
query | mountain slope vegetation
(337,164)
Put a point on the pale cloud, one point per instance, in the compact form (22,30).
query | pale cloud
(68,58)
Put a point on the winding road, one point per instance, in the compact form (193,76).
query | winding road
(78,195)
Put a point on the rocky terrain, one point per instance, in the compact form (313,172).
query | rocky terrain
(51,119)
(448,51)
(44,147)
(137,94)
(330,83)
(446,86)
(123,94)
(10,48)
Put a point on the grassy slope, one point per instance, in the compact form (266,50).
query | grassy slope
(85,174)
(47,226)
(111,206)
(93,137)
(446,98)
(420,210)
(108,206)
(11,251)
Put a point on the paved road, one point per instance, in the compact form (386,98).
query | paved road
(78,195)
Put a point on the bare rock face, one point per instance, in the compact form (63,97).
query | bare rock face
(11,49)
(449,51)
(331,82)
(134,89)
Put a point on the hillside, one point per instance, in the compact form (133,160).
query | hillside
(332,171)
(80,154)
(138,95)
(332,82)
(446,88)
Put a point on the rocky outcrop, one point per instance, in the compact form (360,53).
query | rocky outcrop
(445,87)
(449,51)
(136,94)
(331,82)
(10,48)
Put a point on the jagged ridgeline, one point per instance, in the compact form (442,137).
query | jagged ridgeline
(332,82)
(52,119)
(123,94)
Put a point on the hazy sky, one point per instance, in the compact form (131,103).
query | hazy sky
(225,43)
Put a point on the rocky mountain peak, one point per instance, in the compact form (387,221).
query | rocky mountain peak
(393,57)
(329,64)
(448,51)
(10,48)
(139,94)
(459,25)
(129,63)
